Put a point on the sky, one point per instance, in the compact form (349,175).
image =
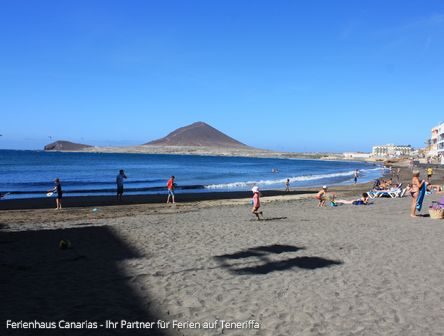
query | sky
(318,76)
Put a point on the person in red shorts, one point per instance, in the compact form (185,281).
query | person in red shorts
(170,186)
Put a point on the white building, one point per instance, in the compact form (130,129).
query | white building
(356,155)
(391,150)
(436,143)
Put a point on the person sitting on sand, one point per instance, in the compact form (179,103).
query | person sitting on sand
(170,186)
(417,192)
(323,195)
(256,202)
(361,201)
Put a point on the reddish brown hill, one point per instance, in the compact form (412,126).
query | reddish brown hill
(198,134)
(62,145)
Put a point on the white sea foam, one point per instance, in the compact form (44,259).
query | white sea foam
(237,185)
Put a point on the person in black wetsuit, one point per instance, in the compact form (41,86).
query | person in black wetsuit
(58,189)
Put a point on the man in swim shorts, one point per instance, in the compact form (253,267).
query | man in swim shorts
(170,186)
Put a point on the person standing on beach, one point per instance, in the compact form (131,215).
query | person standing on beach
(398,175)
(287,185)
(256,203)
(417,192)
(119,183)
(170,186)
(58,189)
(356,176)
(429,174)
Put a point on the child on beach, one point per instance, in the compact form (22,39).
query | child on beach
(287,185)
(58,189)
(170,186)
(322,196)
(256,202)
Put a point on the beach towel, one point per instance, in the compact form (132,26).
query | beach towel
(421,195)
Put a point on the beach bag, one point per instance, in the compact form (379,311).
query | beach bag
(436,213)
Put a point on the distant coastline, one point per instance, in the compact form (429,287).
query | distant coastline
(198,138)
(209,151)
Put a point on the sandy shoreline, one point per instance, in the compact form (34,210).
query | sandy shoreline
(347,270)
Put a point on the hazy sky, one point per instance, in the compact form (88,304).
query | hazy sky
(287,75)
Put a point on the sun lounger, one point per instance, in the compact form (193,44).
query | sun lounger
(397,193)
(378,193)
(392,193)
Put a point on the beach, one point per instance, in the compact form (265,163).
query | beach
(346,270)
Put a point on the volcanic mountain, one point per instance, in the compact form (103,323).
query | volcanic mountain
(62,145)
(198,134)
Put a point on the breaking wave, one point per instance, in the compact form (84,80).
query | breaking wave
(303,178)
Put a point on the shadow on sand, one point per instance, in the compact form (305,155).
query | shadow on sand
(263,254)
(39,281)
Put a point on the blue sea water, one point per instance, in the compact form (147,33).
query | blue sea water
(31,173)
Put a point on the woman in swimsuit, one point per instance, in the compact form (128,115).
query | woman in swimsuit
(361,201)
(414,192)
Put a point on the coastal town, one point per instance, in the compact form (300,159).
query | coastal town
(431,153)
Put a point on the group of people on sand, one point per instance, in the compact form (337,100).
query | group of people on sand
(325,195)
(417,189)
(383,184)
(171,185)
(120,189)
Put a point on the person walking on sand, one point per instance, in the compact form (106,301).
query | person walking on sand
(287,185)
(58,189)
(170,186)
(429,174)
(119,183)
(356,176)
(256,203)
(417,191)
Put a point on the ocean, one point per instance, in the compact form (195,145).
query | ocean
(27,174)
